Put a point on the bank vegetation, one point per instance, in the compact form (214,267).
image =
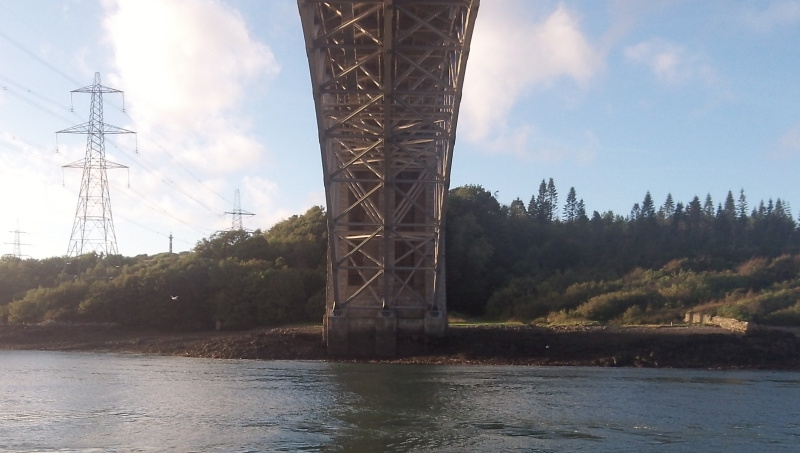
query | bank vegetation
(539,261)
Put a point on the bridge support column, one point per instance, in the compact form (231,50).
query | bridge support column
(435,324)
(386,77)
(336,332)
(386,333)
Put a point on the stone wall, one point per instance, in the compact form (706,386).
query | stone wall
(726,323)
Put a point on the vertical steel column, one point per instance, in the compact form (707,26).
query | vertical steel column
(387,78)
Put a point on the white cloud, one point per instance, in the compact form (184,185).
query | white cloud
(670,62)
(510,55)
(30,176)
(262,197)
(777,14)
(186,67)
(789,143)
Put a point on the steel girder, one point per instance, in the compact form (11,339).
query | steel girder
(387,78)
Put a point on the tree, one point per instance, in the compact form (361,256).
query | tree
(741,207)
(582,217)
(473,214)
(552,200)
(301,240)
(542,205)
(694,211)
(533,206)
(708,206)
(648,210)
(729,209)
(571,206)
(517,209)
(668,208)
(636,212)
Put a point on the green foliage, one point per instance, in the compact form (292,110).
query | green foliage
(502,261)
(608,306)
(235,278)
(301,240)
(45,304)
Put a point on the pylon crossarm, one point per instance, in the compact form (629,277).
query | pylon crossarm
(77,164)
(111,129)
(96,88)
(79,129)
(112,165)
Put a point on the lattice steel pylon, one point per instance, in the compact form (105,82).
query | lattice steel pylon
(17,253)
(93,228)
(387,77)
(237,213)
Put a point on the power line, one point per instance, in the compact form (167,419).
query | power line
(36,57)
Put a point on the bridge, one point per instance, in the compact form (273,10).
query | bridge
(387,77)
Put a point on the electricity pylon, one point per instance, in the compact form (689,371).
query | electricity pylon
(93,228)
(237,213)
(17,244)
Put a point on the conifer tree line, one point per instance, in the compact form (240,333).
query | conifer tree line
(544,261)
(553,262)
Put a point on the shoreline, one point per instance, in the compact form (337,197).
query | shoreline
(700,347)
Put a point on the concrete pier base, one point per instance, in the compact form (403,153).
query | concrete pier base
(381,332)
(435,324)
(336,332)
(386,334)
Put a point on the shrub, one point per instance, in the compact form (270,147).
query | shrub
(786,317)
(608,306)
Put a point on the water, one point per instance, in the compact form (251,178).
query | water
(86,402)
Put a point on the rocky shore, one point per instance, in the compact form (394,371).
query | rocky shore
(677,347)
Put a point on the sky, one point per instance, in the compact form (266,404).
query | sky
(615,98)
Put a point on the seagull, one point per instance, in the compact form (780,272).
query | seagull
(174,297)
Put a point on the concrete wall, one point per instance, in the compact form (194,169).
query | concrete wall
(726,323)
(384,333)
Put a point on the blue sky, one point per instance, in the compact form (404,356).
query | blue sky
(614,98)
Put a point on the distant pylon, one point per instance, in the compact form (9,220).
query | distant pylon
(17,244)
(237,213)
(93,228)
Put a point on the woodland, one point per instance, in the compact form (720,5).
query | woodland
(540,261)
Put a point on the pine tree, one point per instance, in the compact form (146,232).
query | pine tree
(668,208)
(582,217)
(741,207)
(571,206)
(694,211)
(542,213)
(648,209)
(533,206)
(552,200)
(708,206)
(729,210)
(636,212)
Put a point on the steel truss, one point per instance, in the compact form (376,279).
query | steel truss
(93,228)
(387,78)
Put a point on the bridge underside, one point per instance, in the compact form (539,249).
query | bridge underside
(387,78)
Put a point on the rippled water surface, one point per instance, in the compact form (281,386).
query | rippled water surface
(86,402)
